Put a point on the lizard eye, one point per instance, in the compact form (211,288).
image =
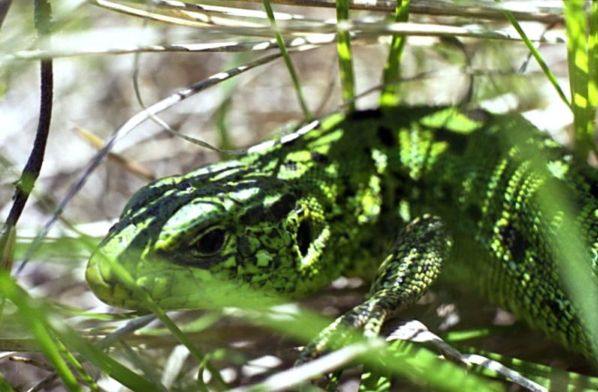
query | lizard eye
(210,241)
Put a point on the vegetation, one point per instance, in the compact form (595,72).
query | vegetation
(223,74)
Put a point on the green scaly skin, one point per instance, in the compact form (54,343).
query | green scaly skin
(383,191)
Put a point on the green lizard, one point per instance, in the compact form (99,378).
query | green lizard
(393,195)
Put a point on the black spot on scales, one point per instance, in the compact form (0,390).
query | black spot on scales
(554,305)
(243,246)
(319,158)
(348,190)
(514,241)
(386,136)
(457,143)
(478,114)
(446,192)
(406,186)
(365,115)
(474,212)
(291,165)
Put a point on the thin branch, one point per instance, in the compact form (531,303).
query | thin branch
(470,9)
(118,49)
(364,26)
(36,157)
(296,376)
(130,327)
(24,186)
(415,331)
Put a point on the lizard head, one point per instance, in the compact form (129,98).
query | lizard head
(223,223)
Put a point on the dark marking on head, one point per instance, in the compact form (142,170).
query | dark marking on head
(183,257)
(386,136)
(365,115)
(283,206)
(319,158)
(184,185)
(253,216)
(278,210)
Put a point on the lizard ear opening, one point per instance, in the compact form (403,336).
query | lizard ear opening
(304,236)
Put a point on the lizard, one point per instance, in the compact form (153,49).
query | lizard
(399,195)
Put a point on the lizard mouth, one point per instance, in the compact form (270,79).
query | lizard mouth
(106,286)
(167,285)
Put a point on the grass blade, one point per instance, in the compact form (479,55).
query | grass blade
(538,57)
(593,65)
(345,57)
(577,55)
(4,385)
(392,70)
(30,315)
(43,329)
(287,61)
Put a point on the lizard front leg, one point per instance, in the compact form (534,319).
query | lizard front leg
(405,274)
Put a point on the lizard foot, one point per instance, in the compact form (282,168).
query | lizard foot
(405,274)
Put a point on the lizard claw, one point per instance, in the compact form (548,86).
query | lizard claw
(363,321)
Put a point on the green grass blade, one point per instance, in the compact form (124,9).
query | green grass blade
(149,304)
(418,364)
(392,71)
(35,323)
(345,56)
(287,60)
(461,335)
(35,317)
(538,57)
(593,65)
(108,365)
(579,80)
(5,385)
(82,374)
